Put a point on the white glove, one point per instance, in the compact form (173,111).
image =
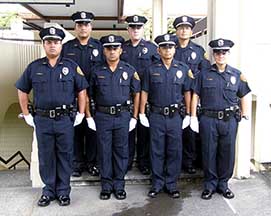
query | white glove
(144,120)
(186,121)
(194,124)
(132,124)
(29,120)
(78,118)
(91,123)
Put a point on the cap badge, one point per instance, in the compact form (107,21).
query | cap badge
(95,52)
(135,19)
(111,38)
(52,31)
(125,75)
(184,19)
(193,55)
(65,70)
(144,50)
(233,80)
(166,37)
(83,15)
(179,74)
(220,42)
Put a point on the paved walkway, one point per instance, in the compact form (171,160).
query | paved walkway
(252,198)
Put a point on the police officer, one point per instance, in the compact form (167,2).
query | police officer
(194,56)
(164,85)
(55,82)
(220,89)
(140,54)
(86,52)
(111,85)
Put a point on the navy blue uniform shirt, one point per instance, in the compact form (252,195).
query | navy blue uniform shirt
(217,90)
(166,86)
(193,55)
(140,56)
(52,86)
(109,88)
(86,56)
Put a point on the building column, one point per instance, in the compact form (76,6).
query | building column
(226,20)
(159,18)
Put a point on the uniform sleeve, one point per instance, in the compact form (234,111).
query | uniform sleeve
(146,81)
(243,88)
(135,85)
(80,80)
(205,63)
(196,85)
(24,83)
(91,88)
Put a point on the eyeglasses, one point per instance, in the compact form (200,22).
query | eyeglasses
(220,52)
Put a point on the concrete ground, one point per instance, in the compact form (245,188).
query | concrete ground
(252,198)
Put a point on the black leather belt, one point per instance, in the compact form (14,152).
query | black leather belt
(221,114)
(112,110)
(167,110)
(57,112)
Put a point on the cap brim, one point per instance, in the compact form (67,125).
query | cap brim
(82,20)
(184,23)
(135,24)
(111,44)
(221,48)
(167,43)
(52,37)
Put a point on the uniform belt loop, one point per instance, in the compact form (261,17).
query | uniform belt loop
(52,113)
(220,115)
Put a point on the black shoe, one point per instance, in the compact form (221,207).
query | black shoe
(228,194)
(145,171)
(93,171)
(120,194)
(76,173)
(153,193)
(207,194)
(64,200)
(44,201)
(175,194)
(105,194)
(191,170)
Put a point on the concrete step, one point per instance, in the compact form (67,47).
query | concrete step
(132,177)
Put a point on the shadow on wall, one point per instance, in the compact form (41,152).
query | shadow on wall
(15,135)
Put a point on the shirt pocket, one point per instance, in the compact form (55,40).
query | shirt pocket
(125,87)
(209,89)
(103,86)
(230,93)
(40,83)
(66,83)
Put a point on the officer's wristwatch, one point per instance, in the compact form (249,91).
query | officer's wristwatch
(245,117)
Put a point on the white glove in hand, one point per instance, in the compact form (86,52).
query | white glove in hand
(91,123)
(194,124)
(78,118)
(186,121)
(29,120)
(144,120)
(132,124)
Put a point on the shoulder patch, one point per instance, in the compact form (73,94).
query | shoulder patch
(136,76)
(190,74)
(205,55)
(243,78)
(79,71)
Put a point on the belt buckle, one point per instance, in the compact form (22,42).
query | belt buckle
(52,113)
(112,110)
(166,111)
(220,115)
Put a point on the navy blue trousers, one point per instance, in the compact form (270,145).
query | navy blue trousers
(55,146)
(218,151)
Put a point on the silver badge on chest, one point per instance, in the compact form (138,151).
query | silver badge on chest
(193,55)
(145,50)
(179,74)
(233,80)
(125,75)
(65,70)
(95,52)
